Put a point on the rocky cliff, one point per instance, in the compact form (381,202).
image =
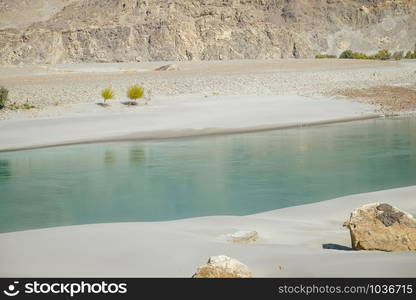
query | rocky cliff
(59,31)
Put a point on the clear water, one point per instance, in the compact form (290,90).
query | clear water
(218,175)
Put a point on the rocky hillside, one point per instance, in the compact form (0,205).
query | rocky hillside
(58,31)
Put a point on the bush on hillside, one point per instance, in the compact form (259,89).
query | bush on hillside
(410,55)
(346,54)
(381,55)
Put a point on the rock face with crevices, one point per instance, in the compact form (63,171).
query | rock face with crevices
(380,226)
(65,31)
(222,266)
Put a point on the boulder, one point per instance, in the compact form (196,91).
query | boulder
(167,68)
(222,266)
(380,226)
(243,236)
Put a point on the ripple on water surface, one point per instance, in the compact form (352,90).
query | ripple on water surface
(218,175)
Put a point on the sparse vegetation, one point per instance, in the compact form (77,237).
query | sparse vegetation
(320,56)
(16,106)
(349,54)
(135,92)
(383,54)
(360,55)
(4,97)
(107,94)
(411,55)
(346,54)
(28,106)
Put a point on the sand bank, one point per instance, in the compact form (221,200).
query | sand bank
(200,98)
(294,241)
(182,116)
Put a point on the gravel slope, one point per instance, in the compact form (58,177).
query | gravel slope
(57,87)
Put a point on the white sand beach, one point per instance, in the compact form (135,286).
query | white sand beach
(294,242)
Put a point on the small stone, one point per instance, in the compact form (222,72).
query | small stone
(167,68)
(222,266)
(243,236)
(380,226)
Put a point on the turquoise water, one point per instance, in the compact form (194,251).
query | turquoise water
(218,175)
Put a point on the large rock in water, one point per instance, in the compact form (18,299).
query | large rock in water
(380,226)
(222,266)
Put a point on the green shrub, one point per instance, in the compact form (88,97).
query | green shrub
(107,94)
(410,55)
(320,56)
(382,55)
(359,55)
(4,97)
(346,54)
(135,92)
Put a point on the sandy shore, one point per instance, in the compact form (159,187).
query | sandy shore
(294,241)
(199,98)
(184,116)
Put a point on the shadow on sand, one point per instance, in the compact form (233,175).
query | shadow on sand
(129,103)
(336,247)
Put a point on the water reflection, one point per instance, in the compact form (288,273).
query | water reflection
(109,157)
(5,172)
(137,155)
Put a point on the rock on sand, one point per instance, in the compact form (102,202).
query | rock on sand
(380,226)
(243,236)
(222,266)
(167,68)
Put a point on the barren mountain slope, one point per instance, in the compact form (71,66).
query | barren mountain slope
(21,13)
(134,30)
